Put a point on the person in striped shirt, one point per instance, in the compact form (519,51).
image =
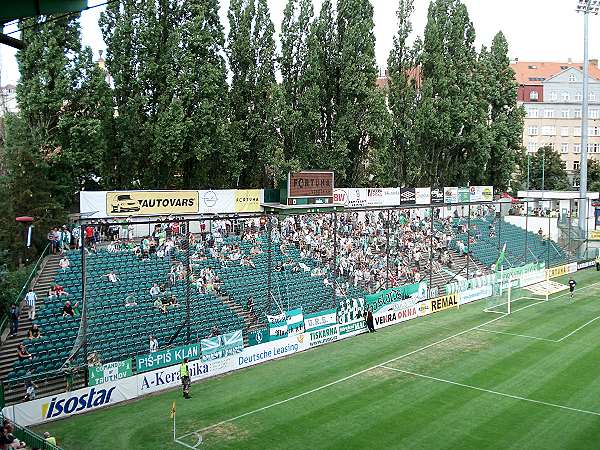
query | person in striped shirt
(30,299)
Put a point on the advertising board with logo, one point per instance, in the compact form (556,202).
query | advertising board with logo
(247,200)
(586,264)
(168,377)
(442,303)
(357,198)
(322,336)
(167,357)
(594,235)
(474,294)
(109,372)
(450,195)
(487,193)
(310,184)
(383,196)
(217,201)
(271,350)
(340,196)
(565,269)
(464,195)
(423,196)
(70,403)
(350,317)
(407,196)
(437,195)
(151,203)
(390,317)
(259,336)
(319,320)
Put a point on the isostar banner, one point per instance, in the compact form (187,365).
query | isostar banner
(386,318)
(67,404)
(321,319)
(109,372)
(151,203)
(397,298)
(437,195)
(247,200)
(295,321)
(167,357)
(350,316)
(407,196)
(450,195)
(423,196)
(221,346)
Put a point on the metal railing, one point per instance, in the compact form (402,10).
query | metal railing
(33,440)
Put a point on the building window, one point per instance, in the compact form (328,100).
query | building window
(575,165)
(577,131)
(549,145)
(533,96)
(576,148)
(578,113)
(572,78)
(594,114)
(593,148)
(533,113)
(566,96)
(592,97)
(594,131)
(532,147)
(564,148)
(578,96)
(553,96)
(564,131)
(548,130)
(532,130)
(549,113)
(564,113)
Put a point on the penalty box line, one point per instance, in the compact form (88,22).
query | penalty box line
(490,391)
(341,380)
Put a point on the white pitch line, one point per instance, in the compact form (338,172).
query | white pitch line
(489,391)
(514,334)
(577,329)
(341,380)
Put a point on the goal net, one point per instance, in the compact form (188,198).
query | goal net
(508,297)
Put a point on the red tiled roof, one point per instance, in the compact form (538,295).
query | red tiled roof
(534,73)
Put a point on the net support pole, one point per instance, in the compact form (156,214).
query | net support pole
(84,301)
(334,262)
(188,283)
(468,236)
(431,253)
(526,254)
(387,251)
(269,261)
(508,301)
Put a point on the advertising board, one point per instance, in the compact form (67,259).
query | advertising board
(109,372)
(396,298)
(151,203)
(247,200)
(310,184)
(478,293)
(167,357)
(386,318)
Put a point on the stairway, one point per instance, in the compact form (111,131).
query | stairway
(249,321)
(8,350)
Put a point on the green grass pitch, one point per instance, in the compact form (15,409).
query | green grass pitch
(531,380)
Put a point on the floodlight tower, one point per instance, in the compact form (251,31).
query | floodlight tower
(586,7)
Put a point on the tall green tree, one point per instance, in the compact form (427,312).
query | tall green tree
(254,95)
(293,63)
(452,117)
(505,116)
(544,165)
(401,164)
(362,121)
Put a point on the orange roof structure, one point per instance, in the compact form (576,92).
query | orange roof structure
(534,73)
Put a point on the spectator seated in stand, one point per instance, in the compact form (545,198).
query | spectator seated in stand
(130,300)
(34,332)
(68,309)
(22,353)
(112,277)
(64,263)
(158,304)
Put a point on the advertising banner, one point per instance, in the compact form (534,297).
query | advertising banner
(464,195)
(558,271)
(350,317)
(310,184)
(151,203)
(450,195)
(487,193)
(247,200)
(437,195)
(383,196)
(357,197)
(386,318)
(594,235)
(109,372)
(340,196)
(217,202)
(445,302)
(322,336)
(527,273)
(407,196)
(70,403)
(423,196)
(221,346)
(471,295)
(167,357)
(259,336)
(319,320)
(397,298)
(270,350)
(586,264)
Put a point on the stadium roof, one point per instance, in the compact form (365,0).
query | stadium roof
(535,73)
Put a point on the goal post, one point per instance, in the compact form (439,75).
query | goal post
(501,299)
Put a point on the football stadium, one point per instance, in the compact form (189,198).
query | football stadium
(292,224)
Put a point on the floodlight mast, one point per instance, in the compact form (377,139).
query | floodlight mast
(586,7)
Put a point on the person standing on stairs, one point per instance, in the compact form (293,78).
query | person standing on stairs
(14,319)
(30,299)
